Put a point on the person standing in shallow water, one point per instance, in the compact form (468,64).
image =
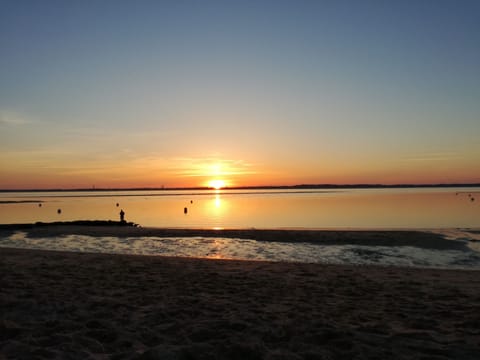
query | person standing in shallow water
(122,216)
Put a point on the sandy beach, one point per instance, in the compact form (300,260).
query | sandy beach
(79,305)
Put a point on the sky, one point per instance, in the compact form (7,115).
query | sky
(182,93)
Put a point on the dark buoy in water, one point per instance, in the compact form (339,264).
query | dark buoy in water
(59,211)
(191,201)
(118,204)
(40,205)
(185,210)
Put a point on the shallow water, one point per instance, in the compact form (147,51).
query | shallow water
(225,248)
(414,208)
(340,208)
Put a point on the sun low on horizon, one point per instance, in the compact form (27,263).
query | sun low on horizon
(216,173)
(216,184)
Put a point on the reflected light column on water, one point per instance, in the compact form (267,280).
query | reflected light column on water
(216,210)
(215,251)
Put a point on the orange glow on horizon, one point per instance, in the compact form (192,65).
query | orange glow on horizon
(218,174)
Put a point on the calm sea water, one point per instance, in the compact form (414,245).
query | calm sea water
(359,208)
(440,210)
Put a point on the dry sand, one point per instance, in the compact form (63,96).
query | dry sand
(79,306)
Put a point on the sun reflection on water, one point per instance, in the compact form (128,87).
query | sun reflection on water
(217,209)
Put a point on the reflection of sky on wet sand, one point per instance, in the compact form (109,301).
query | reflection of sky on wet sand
(471,237)
(372,208)
(223,248)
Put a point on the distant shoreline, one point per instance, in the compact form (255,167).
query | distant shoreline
(280,187)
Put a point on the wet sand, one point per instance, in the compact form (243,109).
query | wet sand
(422,239)
(79,306)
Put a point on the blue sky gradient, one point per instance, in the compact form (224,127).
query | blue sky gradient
(150,93)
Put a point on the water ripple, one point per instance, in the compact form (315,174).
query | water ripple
(227,248)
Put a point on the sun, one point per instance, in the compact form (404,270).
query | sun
(216,184)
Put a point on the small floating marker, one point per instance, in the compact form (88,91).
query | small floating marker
(59,211)
(40,205)
(118,204)
(185,210)
(191,201)
(472,199)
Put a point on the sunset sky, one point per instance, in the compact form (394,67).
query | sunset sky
(180,93)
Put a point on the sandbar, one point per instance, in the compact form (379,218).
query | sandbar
(417,238)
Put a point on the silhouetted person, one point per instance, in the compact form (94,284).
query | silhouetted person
(122,216)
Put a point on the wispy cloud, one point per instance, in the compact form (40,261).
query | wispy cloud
(130,162)
(432,157)
(210,166)
(12,118)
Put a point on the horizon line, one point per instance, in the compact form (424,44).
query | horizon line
(255,187)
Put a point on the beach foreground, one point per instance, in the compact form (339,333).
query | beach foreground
(80,305)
